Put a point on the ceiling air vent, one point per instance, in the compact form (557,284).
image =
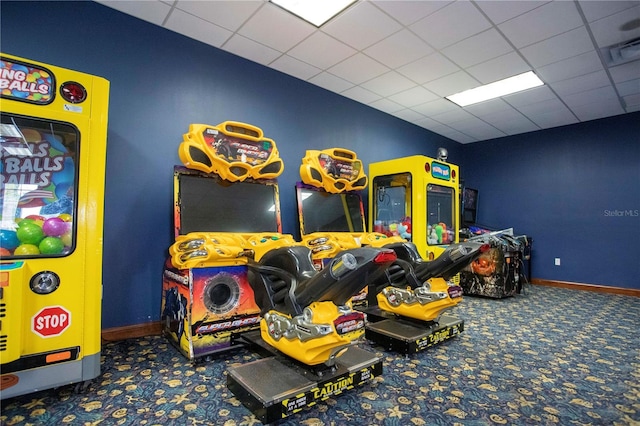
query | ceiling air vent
(622,53)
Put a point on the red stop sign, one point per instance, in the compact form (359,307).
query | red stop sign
(51,321)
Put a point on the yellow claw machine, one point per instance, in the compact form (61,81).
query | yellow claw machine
(417,198)
(52,158)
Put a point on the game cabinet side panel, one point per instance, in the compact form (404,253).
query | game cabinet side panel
(223,305)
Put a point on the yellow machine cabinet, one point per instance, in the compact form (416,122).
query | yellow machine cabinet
(417,198)
(226,211)
(52,158)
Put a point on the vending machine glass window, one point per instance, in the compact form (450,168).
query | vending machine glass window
(38,187)
(392,202)
(440,214)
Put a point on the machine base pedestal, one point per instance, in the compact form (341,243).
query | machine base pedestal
(275,387)
(409,336)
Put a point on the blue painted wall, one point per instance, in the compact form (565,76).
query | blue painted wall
(574,189)
(161,82)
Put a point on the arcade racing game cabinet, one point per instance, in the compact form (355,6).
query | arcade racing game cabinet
(306,324)
(417,199)
(332,219)
(500,271)
(53,139)
(330,209)
(226,201)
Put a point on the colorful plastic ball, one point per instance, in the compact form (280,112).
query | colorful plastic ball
(30,233)
(26,249)
(4,252)
(24,221)
(54,227)
(67,239)
(66,217)
(8,239)
(36,218)
(51,245)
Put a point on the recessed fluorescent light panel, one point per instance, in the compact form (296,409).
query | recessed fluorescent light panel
(496,89)
(316,12)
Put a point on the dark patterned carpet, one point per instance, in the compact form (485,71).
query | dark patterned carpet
(550,356)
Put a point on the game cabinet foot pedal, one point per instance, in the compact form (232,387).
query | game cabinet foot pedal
(273,388)
(407,336)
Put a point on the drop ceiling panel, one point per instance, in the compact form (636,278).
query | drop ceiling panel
(510,121)
(362,26)
(361,95)
(408,12)
(592,96)
(399,49)
(403,56)
(594,10)
(630,87)
(530,97)
(196,28)
(608,31)
(554,49)
(452,83)
(498,68)
(539,24)
(251,50)
(478,48)
(429,68)
(554,118)
(389,84)
(478,127)
(331,82)
(386,105)
(452,116)
(451,24)
(409,115)
(500,11)
(291,29)
(414,96)
(625,72)
(584,63)
(321,50)
(294,67)
(632,102)
(595,110)
(581,83)
(490,107)
(151,11)
(224,13)
(358,69)
(435,107)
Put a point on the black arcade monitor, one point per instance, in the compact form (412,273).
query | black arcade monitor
(208,203)
(321,211)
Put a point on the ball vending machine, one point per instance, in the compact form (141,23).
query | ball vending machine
(52,158)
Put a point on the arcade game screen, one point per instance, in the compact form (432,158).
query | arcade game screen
(469,205)
(326,212)
(209,204)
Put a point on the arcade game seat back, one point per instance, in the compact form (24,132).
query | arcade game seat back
(53,143)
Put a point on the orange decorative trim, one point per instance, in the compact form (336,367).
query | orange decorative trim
(587,287)
(132,331)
